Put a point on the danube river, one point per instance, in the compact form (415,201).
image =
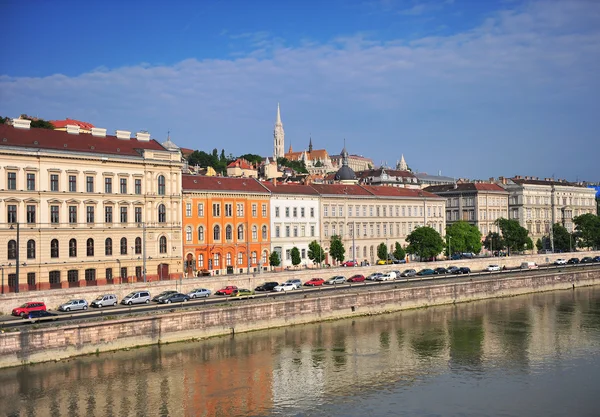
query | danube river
(533,355)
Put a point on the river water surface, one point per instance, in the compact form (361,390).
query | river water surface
(533,355)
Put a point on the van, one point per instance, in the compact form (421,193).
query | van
(138,297)
(105,300)
(529,265)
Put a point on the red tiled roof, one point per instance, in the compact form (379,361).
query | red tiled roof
(67,121)
(242,163)
(381,191)
(340,189)
(483,186)
(65,142)
(290,188)
(193,183)
(464,187)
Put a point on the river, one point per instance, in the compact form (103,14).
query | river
(532,355)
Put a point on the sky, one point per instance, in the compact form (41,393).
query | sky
(469,88)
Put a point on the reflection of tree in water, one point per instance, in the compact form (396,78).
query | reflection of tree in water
(318,350)
(164,395)
(466,341)
(430,343)
(384,340)
(515,337)
(339,347)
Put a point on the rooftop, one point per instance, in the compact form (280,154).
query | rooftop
(224,184)
(464,187)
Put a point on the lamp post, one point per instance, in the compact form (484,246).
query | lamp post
(449,247)
(2,268)
(18,260)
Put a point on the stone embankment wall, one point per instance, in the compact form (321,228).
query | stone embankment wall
(52,343)
(53,298)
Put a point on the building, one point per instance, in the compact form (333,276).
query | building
(317,161)
(479,204)
(87,209)
(294,220)
(389,178)
(226,225)
(67,124)
(425,180)
(278,137)
(241,168)
(355,162)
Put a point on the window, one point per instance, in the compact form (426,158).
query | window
(108,274)
(54,277)
(301,211)
(287,212)
(89,247)
(254,210)
(264,210)
(188,209)
(200,210)
(108,185)
(277,231)
(162,213)
(90,214)
(53,182)
(312,230)
(138,186)
(138,272)
(108,247)
(188,234)
(240,258)
(276,211)
(123,245)
(12,181)
(89,184)
(11,213)
(161,185)
(312,212)
(228,232)
(216,208)
(108,214)
(228,210)
(72,183)
(54,216)
(295,231)
(72,214)
(303,254)
(12,249)
(162,245)
(288,254)
(254,232)
(349,211)
(201,261)
(287,231)
(253,258)
(54,248)
(333,211)
(200,233)
(30,213)
(295,211)
(228,259)
(31,249)
(265,255)
(138,245)
(123,185)
(240,232)
(123,214)
(73,275)
(73,248)
(138,214)
(217,233)
(124,272)
(240,210)
(90,275)
(30,181)
(216,260)
(264,232)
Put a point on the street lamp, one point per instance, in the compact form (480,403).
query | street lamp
(17,270)
(449,248)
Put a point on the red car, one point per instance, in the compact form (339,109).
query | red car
(29,306)
(228,290)
(315,282)
(350,263)
(356,278)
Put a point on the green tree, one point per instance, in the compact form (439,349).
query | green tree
(382,251)
(587,227)
(274,259)
(298,166)
(529,244)
(563,240)
(295,253)
(336,248)
(464,237)
(222,157)
(494,242)
(3,120)
(425,242)
(38,123)
(315,252)
(399,252)
(252,158)
(514,235)
(539,245)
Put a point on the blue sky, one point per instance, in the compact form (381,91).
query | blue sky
(471,88)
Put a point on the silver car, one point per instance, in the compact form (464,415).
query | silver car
(199,293)
(73,305)
(338,279)
(105,300)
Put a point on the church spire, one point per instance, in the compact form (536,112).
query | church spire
(278,137)
(310,148)
(278,121)
(402,165)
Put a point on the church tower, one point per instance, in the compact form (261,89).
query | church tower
(402,165)
(278,137)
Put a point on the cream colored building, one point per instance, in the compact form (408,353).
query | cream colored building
(87,209)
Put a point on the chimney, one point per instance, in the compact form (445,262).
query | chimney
(21,123)
(143,136)
(73,129)
(98,132)
(123,134)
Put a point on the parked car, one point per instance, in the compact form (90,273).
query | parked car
(41,315)
(462,270)
(242,292)
(383,262)
(373,276)
(24,309)
(587,260)
(596,258)
(398,261)
(560,261)
(440,271)
(74,305)
(573,261)
(426,271)
(389,276)
(356,278)
(286,286)
(105,300)
(163,294)
(314,282)
(226,290)
(452,269)
(199,293)
(492,268)
(295,282)
(174,298)
(338,279)
(408,273)
(529,265)
(266,286)
(350,263)
(137,297)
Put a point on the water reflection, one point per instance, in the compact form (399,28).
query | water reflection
(319,369)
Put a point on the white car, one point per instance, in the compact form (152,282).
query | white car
(199,293)
(390,276)
(492,268)
(560,261)
(286,286)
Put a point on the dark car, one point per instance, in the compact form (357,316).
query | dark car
(597,259)
(41,315)
(174,298)
(267,286)
(426,271)
(408,273)
(162,295)
(587,260)
(440,271)
(452,269)
(398,261)
(573,261)
(356,278)
(462,270)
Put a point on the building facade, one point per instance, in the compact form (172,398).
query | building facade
(388,178)
(87,209)
(226,224)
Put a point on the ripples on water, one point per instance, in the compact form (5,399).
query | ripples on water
(523,356)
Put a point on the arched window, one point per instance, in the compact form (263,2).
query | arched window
(31,249)
(138,245)
(123,246)
(228,232)
(240,232)
(240,258)
(162,213)
(264,232)
(73,248)
(217,233)
(188,234)
(54,248)
(108,247)
(254,232)
(200,233)
(253,258)
(228,258)
(265,256)
(161,185)
(200,261)
(162,245)
(90,247)
(217,258)
(12,249)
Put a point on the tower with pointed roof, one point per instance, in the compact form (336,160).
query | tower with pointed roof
(345,175)
(402,165)
(278,137)
(310,145)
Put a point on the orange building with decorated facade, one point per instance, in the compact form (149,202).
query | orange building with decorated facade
(226,225)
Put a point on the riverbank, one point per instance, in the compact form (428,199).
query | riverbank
(60,342)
